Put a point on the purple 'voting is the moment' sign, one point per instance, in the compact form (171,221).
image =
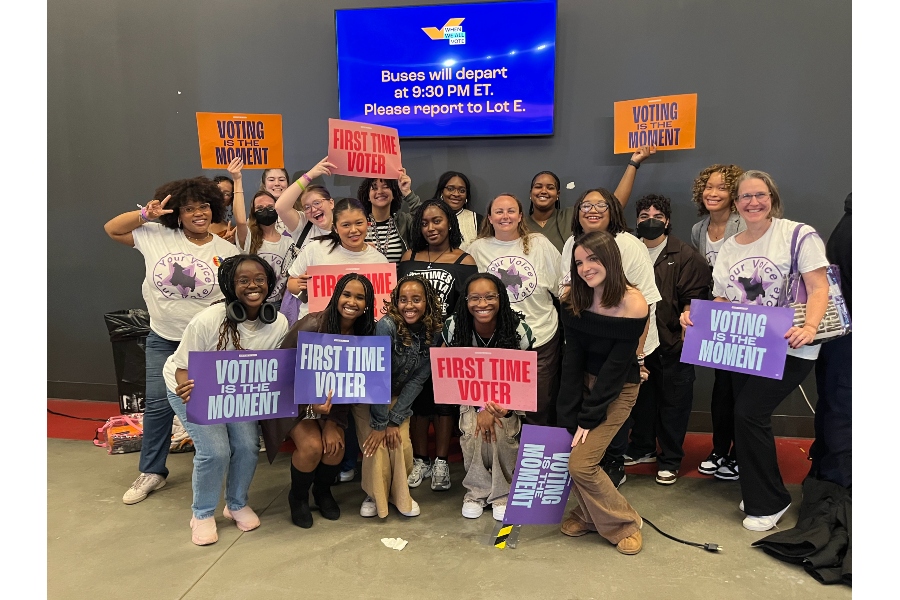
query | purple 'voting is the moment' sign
(541,483)
(356,368)
(744,338)
(241,385)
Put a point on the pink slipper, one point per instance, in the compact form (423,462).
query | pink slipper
(245,518)
(203,531)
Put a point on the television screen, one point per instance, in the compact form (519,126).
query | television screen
(450,70)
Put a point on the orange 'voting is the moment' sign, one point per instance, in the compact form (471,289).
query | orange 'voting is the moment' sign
(255,138)
(666,122)
(363,150)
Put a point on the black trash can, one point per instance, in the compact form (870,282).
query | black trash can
(128,331)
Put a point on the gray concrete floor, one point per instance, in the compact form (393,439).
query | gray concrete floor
(99,547)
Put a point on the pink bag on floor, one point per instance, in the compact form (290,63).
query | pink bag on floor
(121,434)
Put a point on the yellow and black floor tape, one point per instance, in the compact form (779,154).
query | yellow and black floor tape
(500,540)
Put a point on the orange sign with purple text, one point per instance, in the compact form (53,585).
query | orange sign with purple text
(666,122)
(255,138)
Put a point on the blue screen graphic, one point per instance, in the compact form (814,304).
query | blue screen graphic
(461,70)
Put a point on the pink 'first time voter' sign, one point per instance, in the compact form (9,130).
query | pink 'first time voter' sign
(474,376)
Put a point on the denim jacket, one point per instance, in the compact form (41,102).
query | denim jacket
(410,368)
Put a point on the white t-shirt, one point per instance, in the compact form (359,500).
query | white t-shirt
(655,252)
(320,252)
(202,335)
(314,231)
(181,277)
(274,254)
(638,270)
(755,273)
(529,278)
(712,249)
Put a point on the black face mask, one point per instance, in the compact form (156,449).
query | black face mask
(266,216)
(650,229)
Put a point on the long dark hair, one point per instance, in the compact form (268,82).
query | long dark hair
(445,179)
(227,270)
(256,232)
(362,194)
(431,320)
(342,205)
(616,213)
(505,334)
(602,245)
(364,323)
(454,236)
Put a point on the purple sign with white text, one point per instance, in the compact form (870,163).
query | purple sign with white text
(356,368)
(541,483)
(241,385)
(744,338)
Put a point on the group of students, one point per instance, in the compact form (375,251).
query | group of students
(610,373)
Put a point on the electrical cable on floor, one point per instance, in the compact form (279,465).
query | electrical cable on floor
(709,547)
(59,414)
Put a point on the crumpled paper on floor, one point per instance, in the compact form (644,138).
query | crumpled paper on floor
(394,543)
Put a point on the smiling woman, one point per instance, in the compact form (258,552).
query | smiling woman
(242,322)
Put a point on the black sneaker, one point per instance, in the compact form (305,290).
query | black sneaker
(616,473)
(728,470)
(711,464)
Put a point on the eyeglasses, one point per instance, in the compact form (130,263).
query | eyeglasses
(314,205)
(477,299)
(189,210)
(452,189)
(759,196)
(259,280)
(600,207)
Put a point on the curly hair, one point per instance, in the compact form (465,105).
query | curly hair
(364,323)
(418,242)
(445,178)
(616,213)
(487,229)
(227,270)
(505,330)
(555,177)
(730,174)
(431,320)
(196,189)
(660,203)
(362,194)
(256,232)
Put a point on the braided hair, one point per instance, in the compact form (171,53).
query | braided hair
(418,243)
(364,323)
(431,320)
(505,331)
(227,271)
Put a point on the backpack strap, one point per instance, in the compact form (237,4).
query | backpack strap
(303,234)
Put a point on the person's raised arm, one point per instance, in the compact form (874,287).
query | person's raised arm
(623,190)
(239,205)
(120,228)
(409,200)
(284,206)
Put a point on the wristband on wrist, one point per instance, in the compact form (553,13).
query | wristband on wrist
(306,178)
(634,164)
(300,184)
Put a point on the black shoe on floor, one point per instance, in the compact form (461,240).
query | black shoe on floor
(328,506)
(616,473)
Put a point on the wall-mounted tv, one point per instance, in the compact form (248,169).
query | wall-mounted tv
(449,70)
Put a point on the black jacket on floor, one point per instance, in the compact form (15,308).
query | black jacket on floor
(821,540)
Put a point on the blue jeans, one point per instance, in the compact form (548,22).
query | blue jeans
(157,413)
(231,448)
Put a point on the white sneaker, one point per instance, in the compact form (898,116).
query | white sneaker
(421,470)
(763,523)
(472,509)
(499,511)
(142,486)
(741,506)
(368,508)
(413,512)
(440,476)
(346,476)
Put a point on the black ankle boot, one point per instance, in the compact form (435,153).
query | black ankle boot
(324,479)
(298,498)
